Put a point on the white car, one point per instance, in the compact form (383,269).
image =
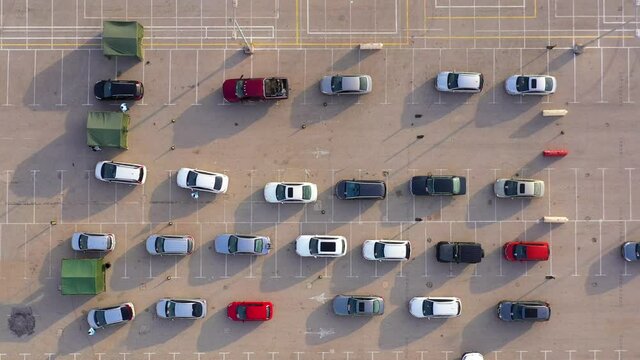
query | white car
(82,241)
(321,245)
(518,188)
(472,356)
(101,317)
(181,308)
(346,84)
(435,307)
(119,172)
(201,180)
(463,82)
(169,244)
(289,192)
(530,85)
(386,250)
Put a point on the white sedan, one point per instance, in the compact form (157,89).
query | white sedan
(386,250)
(463,82)
(201,180)
(82,241)
(181,308)
(530,85)
(101,317)
(119,172)
(435,307)
(289,192)
(346,84)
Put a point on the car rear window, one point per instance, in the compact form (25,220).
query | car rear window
(218,183)
(548,84)
(363,83)
(258,245)
(306,192)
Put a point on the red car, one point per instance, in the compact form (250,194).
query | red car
(526,251)
(256,89)
(250,311)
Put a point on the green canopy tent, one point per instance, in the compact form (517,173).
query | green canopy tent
(108,128)
(122,38)
(82,276)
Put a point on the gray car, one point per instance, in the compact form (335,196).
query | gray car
(235,244)
(631,251)
(358,305)
(524,310)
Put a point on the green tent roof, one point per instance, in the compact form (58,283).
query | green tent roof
(108,128)
(122,38)
(82,276)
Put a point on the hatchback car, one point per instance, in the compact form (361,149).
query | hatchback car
(321,246)
(526,251)
(346,84)
(386,250)
(250,311)
(518,188)
(200,180)
(118,90)
(361,189)
(631,251)
(438,185)
(288,192)
(530,85)
(181,308)
(169,244)
(113,315)
(524,311)
(234,244)
(463,82)
(82,241)
(435,307)
(119,172)
(358,305)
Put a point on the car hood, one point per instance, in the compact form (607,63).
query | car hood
(368,250)
(415,307)
(442,80)
(270,192)
(445,252)
(302,245)
(504,311)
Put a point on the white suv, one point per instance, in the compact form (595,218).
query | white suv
(386,250)
(119,172)
(321,246)
(435,307)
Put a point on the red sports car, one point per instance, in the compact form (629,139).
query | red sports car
(250,311)
(526,251)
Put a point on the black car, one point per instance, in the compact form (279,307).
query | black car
(524,311)
(459,252)
(118,90)
(361,189)
(438,185)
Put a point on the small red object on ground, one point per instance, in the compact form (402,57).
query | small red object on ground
(555,153)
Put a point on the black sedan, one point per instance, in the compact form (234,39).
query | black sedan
(447,185)
(118,90)
(361,189)
(524,310)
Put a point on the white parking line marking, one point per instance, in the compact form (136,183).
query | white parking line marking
(446,352)
(619,353)
(49,254)
(169,103)
(1,275)
(150,257)
(601,72)
(595,353)
(26,265)
(88,195)
(630,194)
(401,238)
(468,191)
(493,77)
(413,80)
(602,170)
(201,246)
(500,255)
(275,248)
(426,240)
(88,103)
(475,239)
(61,103)
(35,76)
(450,240)
(386,92)
(600,249)
(126,246)
(61,193)
(6,103)
(197,82)
(170,195)
(628,77)
(33,175)
(495,203)
(351,255)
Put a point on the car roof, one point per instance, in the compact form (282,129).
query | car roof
(469,80)
(444,307)
(183,309)
(351,82)
(113,315)
(127,172)
(204,180)
(395,250)
(175,245)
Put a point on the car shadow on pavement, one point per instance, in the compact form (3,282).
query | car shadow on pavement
(415,329)
(74,338)
(415,115)
(323,326)
(596,284)
(486,332)
(490,114)
(535,124)
(218,331)
(311,114)
(148,329)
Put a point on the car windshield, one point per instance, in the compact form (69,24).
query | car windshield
(336,83)
(522,83)
(218,183)
(196,310)
(313,246)
(352,189)
(511,188)
(520,251)
(100,318)
(258,245)
(191,178)
(241,312)
(233,243)
(548,84)
(240,88)
(306,192)
(427,308)
(160,244)
(452,81)
(280,189)
(108,171)
(171,309)
(84,239)
(378,250)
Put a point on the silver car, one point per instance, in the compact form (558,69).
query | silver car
(358,305)
(82,241)
(530,85)
(463,82)
(631,251)
(518,188)
(101,317)
(181,308)
(235,244)
(346,84)
(169,244)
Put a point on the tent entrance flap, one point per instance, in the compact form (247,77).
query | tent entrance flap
(82,276)
(108,129)
(122,38)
